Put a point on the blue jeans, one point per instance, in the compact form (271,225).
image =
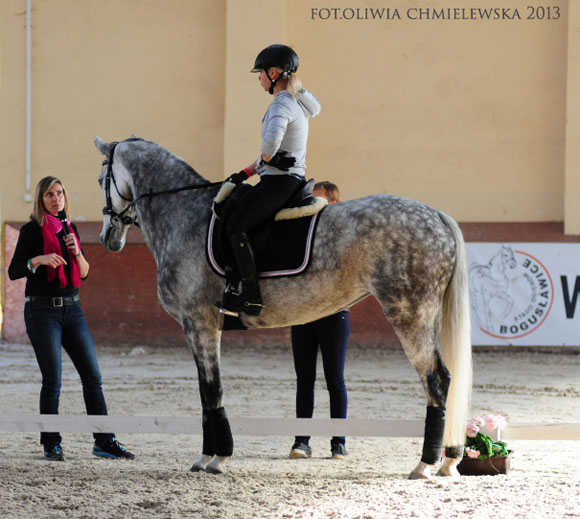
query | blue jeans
(331,335)
(48,328)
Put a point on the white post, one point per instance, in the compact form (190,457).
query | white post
(28,194)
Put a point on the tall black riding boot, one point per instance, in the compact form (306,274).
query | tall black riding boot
(248,300)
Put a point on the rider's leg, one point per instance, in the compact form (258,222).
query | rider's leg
(258,205)
(249,299)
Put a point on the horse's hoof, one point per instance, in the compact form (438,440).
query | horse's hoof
(421,471)
(449,468)
(451,472)
(216,465)
(215,469)
(201,464)
(419,475)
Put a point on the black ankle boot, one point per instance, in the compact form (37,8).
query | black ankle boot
(248,300)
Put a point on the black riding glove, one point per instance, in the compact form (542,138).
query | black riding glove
(281,161)
(237,178)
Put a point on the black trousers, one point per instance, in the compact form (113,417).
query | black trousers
(262,202)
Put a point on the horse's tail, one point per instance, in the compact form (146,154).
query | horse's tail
(456,341)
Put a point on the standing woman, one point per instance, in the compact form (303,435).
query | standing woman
(281,166)
(49,255)
(330,335)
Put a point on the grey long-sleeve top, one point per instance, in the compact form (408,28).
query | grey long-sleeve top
(285,127)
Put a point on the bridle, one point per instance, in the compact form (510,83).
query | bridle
(123,216)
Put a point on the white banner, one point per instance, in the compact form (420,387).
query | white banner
(525,294)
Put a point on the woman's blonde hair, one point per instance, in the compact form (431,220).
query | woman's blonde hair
(294,84)
(331,190)
(42,187)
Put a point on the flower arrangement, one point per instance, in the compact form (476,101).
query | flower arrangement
(480,445)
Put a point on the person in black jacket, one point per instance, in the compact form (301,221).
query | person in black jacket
(49,255)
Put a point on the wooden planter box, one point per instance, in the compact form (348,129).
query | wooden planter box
(484,467)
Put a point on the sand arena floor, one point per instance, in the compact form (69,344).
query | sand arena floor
(261,482)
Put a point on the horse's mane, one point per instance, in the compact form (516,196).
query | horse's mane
(157,157)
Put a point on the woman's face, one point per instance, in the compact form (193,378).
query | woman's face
(264,80)
(53,199)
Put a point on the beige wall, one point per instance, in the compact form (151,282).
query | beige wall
(469,116)
(149,67)
(572,191)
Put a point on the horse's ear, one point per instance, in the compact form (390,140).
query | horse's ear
(103,146)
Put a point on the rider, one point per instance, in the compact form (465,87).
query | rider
(281,166)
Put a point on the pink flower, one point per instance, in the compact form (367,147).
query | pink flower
(495,421)
(472,453)
(478,420)
(471,430)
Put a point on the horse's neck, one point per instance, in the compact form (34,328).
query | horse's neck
(171,221)
(153,181)
(497,264)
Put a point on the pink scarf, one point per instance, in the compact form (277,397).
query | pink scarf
(50,228)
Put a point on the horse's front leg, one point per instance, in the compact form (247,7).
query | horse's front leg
(218,442)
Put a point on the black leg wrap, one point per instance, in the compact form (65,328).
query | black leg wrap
(433,439)
(223,442)
(454,452)
(207,448)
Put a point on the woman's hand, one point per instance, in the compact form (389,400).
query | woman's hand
(71,242)
(53,260)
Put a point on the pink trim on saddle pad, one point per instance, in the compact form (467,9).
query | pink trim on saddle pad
(270,274)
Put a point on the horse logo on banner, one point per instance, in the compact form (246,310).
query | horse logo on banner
(511,295)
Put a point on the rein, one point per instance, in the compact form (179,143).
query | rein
(109,176)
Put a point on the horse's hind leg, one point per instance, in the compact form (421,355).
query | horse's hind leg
(419,334)
(435,380)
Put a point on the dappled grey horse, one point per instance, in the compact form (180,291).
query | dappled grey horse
(409,256)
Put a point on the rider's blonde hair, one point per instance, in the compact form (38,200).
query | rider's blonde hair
(294,84)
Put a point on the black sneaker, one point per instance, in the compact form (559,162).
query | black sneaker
(338,451)
(53,453)
(112,449)
(300,451)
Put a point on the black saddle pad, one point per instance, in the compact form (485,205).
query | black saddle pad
(282,248)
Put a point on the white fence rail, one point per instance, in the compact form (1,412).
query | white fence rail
(263,426)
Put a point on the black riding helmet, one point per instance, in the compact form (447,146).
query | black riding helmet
(276,55)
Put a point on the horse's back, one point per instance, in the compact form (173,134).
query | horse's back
(400,223)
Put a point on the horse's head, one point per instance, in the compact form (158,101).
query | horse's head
(119,211)
(507,257)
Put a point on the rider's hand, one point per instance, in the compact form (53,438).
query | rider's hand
(281,161)
(237,178)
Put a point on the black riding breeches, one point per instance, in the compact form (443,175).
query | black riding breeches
(262,202)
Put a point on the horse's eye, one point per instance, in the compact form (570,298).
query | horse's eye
(101,182)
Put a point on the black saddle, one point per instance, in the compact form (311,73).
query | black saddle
(302,196)
(281,248)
